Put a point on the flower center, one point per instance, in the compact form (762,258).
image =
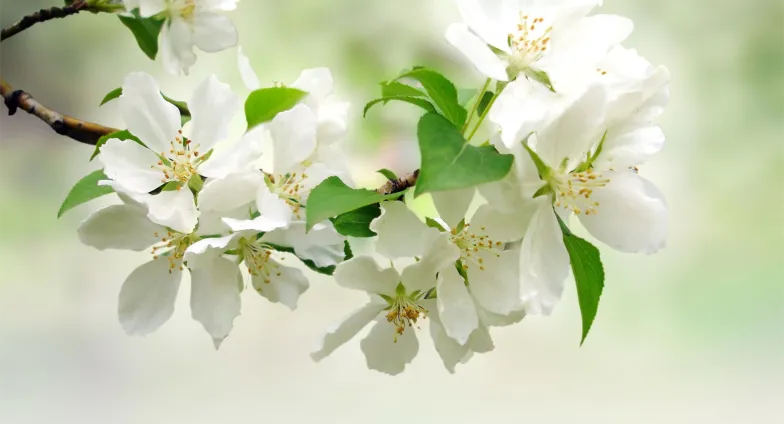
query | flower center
(173,246)
(573,190)
(257,259)
(529,41)
(472,243)
(289,187)
(404,310)
(180,162)
(183,8)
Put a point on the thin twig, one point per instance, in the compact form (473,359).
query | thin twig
(82,131)
(42,15)
(399,184)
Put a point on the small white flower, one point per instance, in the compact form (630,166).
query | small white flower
(169,156)
(189,23)
(505,39)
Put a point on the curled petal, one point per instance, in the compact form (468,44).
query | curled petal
(338,335)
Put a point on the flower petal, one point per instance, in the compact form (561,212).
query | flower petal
(476,14)
(363,273)
(176,47)
(317,82)
(386,355)
(452,205)
(630,146)
(129,163)
(249,77)
(147,115)
(439,254)
(119,227)
(477,52)
(215,294)
(284,285)
(322,244)
(275,213)
(450,351)
(544,261)
(212,107)
(149,8)
(231,192)
(209,247)
(338,335)
(147,297)
(499,226)
(400,232)
(522,108)
(632,216)
(174,209)
(213,32)
(293,137)
(455,306)
(497,287)
(237,157)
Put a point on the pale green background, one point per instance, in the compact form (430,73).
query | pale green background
(694,334)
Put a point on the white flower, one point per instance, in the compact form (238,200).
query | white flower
(492,273)
(147,297)
(589,156)
(505,39)
(189,23)
(168,156)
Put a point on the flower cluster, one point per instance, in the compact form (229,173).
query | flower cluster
(570,116)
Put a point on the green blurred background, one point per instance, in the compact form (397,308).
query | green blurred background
(693,334)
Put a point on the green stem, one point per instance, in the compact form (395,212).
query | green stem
(482,118)
(476,104)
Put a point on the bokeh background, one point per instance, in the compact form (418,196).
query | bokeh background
(694,334)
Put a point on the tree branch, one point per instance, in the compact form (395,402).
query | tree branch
(400,184)
(84,132)
(43,15)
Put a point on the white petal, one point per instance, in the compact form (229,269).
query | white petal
(632,216)
(452,205)
(149,8)
(322,244)
(381,351)
(275,213)
(338,335)
(455,306)
(450,351)
(497,287)
(491,319)
(507,195)
(544,261)
(119,227)
(147,297)
(630,147)
(499,226)
(316,174)
(213,32)
(316,82)
(284,285)
(480,340)
(215,295)
(232,192)
(176,47)
(147,115)
(209,247)
(217,5)
(237,157)
(400,232)
(129,164)
(575,131)
(522,108)
(477,52)
(439,254)
(249,77)
(212,107)
(294,137)
(174,209)
(363,273)
(484,22)
(332,119)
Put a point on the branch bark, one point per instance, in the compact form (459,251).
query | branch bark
(81,131)
(400,184)
(42,15)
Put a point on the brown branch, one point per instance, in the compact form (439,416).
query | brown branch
(43,15)
(400,184)
(84,132)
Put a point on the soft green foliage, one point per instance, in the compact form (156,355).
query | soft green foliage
(121,135)
(394,90)
(450,163)
(464,95)
(85,190)
(356,223)
(588,275)
(432,223)
(387,173)
(485,102)
(332,198)
(264,104)
(145,30)
(441,91)
(541,77)
(114,94)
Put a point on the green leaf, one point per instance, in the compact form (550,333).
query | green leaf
(541,168)
(327,270)
(464,95)
(264,104)
(432,223)
(347,253)
(486,99)
(181,106)
(450,163)
(442,92)
(424,104)
(395,88)
(332,197)
(122,135)
(85,190)
(145,30)
(540,76)
(117,92)
(357,222)
(588,274)
(387,173)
